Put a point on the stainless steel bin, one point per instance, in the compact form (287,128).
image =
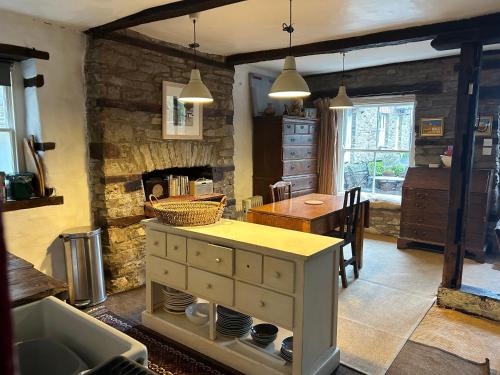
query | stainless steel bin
(82,251)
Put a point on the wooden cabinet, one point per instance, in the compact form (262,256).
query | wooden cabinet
(284,148)
(424,208)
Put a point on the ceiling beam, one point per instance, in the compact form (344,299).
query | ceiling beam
(454,40)
(379,39)
(16,53)
(160,13)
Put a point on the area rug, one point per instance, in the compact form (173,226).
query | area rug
(416,358)
(165,357)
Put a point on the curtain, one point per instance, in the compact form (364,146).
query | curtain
(328,148)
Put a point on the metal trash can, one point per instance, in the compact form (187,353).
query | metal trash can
(84,269)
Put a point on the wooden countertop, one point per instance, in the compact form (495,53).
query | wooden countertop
(27,284)
(293,243)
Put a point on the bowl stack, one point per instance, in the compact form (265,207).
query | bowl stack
(287,349)
(175,301)
(232,323)
(263,334)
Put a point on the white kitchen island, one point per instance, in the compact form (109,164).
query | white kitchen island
(279,276)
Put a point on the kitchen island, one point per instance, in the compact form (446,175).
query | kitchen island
(284,277)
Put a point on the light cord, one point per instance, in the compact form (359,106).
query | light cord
(289,29)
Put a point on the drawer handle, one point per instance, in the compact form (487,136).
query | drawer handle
(262,304)
(309,153)
(302,126)
(293,185)
(218,260)
(309,166)
(292,167)
(176,247)
(209,286)
(292,139)
(292,153)
(165,272)
(278,274)
(289,126)
(156,243)
(420,220)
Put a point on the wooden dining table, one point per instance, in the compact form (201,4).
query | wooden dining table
(298,214)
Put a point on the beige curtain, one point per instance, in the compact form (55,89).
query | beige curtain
(328,148)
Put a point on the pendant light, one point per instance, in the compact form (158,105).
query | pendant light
(195,91)
(289,83)
(341,101)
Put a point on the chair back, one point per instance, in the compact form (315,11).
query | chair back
(281,190)
(351,213)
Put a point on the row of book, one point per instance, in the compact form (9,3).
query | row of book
(178,185)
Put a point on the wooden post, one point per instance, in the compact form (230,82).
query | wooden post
(461,167)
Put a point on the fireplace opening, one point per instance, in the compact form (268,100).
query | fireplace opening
(178,181)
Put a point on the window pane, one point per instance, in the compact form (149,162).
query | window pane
(362,133)
(358,170)
(6,154)
(4,114)
(390,170)
(395,130)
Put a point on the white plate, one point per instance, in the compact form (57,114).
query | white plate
(314,202)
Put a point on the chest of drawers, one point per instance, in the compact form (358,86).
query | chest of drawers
(284,277)
(284,148)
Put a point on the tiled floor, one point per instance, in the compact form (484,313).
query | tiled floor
(388,301)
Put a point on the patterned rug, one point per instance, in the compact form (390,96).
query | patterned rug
(165,357)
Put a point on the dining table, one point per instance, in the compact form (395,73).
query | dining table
(312,213)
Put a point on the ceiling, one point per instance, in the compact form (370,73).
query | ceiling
(256,24)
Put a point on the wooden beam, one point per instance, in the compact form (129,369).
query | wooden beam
(160,13)
(16,53)
(461,167)
(380,39)
(453,40)
(161,48)
(490,92)
(45,146)
(129,105)
(431,87)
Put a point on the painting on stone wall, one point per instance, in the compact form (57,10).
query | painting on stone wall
(180,120)
(432,127)
(484,125)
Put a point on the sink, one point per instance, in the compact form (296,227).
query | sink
(93,341)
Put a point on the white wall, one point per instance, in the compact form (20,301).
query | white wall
(33,233)
(243,130)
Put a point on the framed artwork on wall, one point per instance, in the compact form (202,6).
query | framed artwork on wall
(180,120)
(432,127)
(484,125)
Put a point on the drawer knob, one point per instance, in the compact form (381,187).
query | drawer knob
(156,243)
(165,272)
(262,304)
(309,153)
(292,167)
(218,260)
(209,286)
(197,253)
(278,274)
(308,166)
(176,247)
(292,153)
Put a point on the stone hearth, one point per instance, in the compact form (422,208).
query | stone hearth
(124,90)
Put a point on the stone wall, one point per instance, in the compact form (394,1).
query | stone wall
(124,92)
(441,78)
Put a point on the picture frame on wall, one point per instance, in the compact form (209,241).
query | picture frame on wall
(484,125)
(432,127)
(180,120)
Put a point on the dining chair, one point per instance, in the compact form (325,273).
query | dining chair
(281,190)
(347,231)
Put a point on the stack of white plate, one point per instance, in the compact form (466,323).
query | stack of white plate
(175,301)
(287,349)
(232,323)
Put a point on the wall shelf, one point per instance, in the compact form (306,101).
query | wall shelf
(32,203)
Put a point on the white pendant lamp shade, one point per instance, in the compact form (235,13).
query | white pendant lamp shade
(195,91)
(341,101)
(289,83)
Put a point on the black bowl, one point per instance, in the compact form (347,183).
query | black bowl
(287,344)
(264,330)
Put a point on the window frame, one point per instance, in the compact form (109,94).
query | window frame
(11,129)
(367,102)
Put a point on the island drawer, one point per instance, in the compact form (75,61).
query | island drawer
(176,247)
(156,243)
(210,257)
(167,272)
(213,287)
(264,304)
(279,274)
(248,266)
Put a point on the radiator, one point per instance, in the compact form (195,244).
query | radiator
(246,205)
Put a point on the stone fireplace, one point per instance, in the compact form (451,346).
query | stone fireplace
(124,90)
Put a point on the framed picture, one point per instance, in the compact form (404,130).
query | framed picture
(432,127)
(484,125)
(180,120)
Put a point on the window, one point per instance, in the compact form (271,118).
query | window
(376,146)
(8,152)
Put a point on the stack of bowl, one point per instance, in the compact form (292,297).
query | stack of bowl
(263,334)
(175,301)
(232,323)
(287,349)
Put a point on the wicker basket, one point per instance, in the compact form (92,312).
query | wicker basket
(184,214)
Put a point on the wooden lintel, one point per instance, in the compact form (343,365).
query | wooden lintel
(37,81)
(453,40)
(489,92)
(45,146)
(461,166)
(161,48)
(122,222)
(432,87)
(491,64)
(160,13)
(129,106)
(17,53)
(380,39)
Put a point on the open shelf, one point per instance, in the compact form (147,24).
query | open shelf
(31,203)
